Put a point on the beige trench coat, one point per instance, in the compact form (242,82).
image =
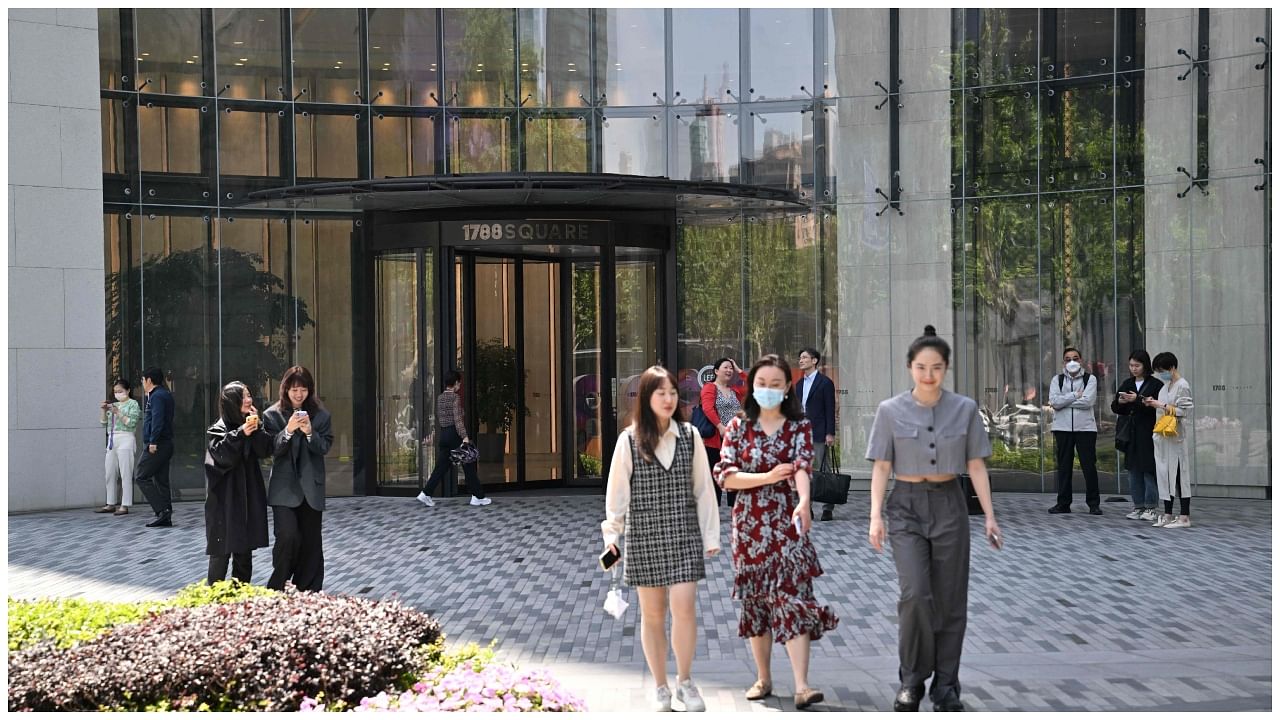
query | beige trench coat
(1173,454)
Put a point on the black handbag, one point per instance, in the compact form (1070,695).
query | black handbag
(705,427)
(970,496)
(1124,432)
(829,484)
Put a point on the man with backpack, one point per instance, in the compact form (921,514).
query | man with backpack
(1073,395)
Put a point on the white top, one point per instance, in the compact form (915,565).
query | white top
(806,384)
(617,495)
(1072,413)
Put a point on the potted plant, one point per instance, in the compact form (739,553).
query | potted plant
(497,396)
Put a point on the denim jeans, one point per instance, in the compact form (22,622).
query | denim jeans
(1142,488)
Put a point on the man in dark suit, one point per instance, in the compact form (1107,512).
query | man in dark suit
(818,397)
(152,474)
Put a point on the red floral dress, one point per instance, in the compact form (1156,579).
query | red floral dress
(773,565)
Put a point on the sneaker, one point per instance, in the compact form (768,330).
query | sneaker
(1058,510)
(425,499)
(1182,521)
(480,501)
(661,699)
(687,693)
(1095,510)
(1149,515)
(1162,520)
(1135,515)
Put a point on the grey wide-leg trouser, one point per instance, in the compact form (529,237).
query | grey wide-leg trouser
(928,527)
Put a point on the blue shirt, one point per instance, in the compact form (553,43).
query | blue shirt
(157,427)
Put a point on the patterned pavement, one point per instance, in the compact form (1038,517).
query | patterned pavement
(1076,613)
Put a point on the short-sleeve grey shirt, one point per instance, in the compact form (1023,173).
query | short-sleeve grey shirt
(918,440)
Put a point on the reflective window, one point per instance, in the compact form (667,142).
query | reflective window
(479,144)
(404,52)
(1082,42)
(169,51)
(704,56)
(631,58)
(326,55)
(556,144)
(634,145)
(249,142)
(554,57)
(113,136)
(403,146)
(1006,46)
(479,57)
(249,55)
(325,145)
(781,62)
(780,153)
(709,312)
(110,58)
(705,144)
(1076,132)
(170,148)
(780,273)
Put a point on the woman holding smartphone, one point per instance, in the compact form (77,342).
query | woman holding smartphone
(1140,456)
(301,436)
(767,456)
(235,508)
(660,493)
(926,436)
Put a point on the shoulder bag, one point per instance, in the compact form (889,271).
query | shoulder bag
(829,485)
(701,422)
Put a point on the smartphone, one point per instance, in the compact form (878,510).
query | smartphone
(996,541)
(799,525)
(300,413)
(608,558)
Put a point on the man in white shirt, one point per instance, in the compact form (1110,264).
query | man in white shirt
(1075,429)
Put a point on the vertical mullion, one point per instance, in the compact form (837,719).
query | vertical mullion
(521,387)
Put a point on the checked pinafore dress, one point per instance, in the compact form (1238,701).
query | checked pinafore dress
(664,542)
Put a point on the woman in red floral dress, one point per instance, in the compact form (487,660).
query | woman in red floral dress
(767,456)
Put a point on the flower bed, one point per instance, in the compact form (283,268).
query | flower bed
(473,687)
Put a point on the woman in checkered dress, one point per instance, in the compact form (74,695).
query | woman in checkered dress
(660,493)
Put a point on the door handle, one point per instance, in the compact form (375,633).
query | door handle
(615,397)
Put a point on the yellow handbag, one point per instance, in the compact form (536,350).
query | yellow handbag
(1167,425)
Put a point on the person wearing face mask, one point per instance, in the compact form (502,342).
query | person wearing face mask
(767,456)
(235,508)
(121,418)
(1075,430)
(1173,452)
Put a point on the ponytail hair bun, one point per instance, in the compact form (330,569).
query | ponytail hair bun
(930,340)
(930,331)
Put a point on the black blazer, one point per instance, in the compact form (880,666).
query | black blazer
(821,408)
(1141,456)
(298,473)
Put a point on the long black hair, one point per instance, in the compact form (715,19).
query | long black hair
(790,407)
(1142,357)
(231,399)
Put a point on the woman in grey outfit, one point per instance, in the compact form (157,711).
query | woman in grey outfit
(926,437)
(300,432)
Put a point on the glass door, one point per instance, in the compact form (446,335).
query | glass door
(588,375)
(405,368)
(636,324)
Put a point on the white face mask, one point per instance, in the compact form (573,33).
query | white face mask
(1073,367)
(122,396)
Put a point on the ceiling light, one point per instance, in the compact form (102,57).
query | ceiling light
(239,64)
(377,47)
(145,54)
(238,42)
(244,59)
(139,59)
(191,62)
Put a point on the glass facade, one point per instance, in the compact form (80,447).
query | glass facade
(1022,179)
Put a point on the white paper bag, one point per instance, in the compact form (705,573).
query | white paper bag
(615,602)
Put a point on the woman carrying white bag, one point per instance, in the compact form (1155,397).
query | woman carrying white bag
(660,493)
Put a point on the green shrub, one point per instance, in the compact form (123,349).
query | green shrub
(436,656)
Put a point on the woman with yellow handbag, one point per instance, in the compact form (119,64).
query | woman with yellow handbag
(1173,452)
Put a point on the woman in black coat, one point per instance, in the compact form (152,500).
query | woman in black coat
(300,436)
(235,508)
(1139,455)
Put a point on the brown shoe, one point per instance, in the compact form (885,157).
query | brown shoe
(760,690)
(808,697)
(106,509)
(122,510)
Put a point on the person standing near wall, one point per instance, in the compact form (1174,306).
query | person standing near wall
(1075,429)
(301,436)
(926,437)
(152,473)
(235,508)
(1140,455)
(121,419)
(1173,452)
(818,398)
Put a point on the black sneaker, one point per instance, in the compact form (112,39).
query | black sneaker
(908,699)
(1058,510)
(1095,510)
(826,515)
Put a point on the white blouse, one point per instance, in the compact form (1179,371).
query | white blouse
(617,495)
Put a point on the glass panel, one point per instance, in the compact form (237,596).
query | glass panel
(1076,131)
(170,140)
(404,50)
(113,140)
(781,44)
(169,48)
(637,328)
(110,61)
(495,383)
(121,239)
(587,406)
(705,56)
(554,57)
(1006,50)
(479,57)
(542,373)
(781,150)
(781,275)
(1131,30)
(403,146)
(1004,139)
(634,145)
(706,144)
(326,55)
(1128,130)
(249,142)
(326,146)
(556,144)
(322,252)
(178,336)
(631,55)
(399,459)
(479,144)
(253,270)
(1083,43)
(249,54)
(709,313)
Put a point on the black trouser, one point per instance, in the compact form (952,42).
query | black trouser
(713,457)
(152,475)
(1068,444)
(241,568)
(928,527)
(819,454)
(298,554)
(451,440)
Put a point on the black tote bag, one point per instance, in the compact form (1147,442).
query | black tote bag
(829,484)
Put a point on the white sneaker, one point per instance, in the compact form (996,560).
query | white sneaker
(687,693)
(1182,521)
(478,501)
(1162,520)
(1135,515)
(661,699)
(1149,514)
(425,499)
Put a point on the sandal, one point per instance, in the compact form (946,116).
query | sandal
(760,690)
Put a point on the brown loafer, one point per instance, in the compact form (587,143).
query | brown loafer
(122,510)
(808,697)
(760,690)
(106,509)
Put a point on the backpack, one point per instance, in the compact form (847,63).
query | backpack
(1063,376)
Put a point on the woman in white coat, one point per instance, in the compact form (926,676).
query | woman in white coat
(1173,452)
